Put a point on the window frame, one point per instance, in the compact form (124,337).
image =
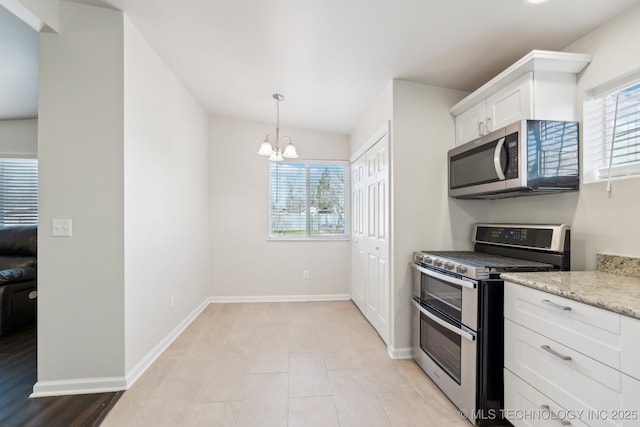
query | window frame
(308,236)
(23,156)
(597,136)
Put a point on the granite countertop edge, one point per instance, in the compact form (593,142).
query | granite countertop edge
(612,292)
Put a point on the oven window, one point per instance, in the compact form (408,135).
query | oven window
(442,345)
(444,296)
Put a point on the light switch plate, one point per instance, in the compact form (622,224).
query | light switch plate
(61,228)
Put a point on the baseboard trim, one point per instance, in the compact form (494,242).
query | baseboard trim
(135,373)
(279,298)
(110,384)
(400,353)
(78,386)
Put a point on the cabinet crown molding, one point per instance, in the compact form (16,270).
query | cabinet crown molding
(536,60)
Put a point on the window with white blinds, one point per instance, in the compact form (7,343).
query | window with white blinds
(307,199)
(18,191)
(612,131)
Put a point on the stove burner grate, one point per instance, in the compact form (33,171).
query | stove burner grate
(481,259)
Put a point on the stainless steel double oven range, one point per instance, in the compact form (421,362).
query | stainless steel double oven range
(458,307)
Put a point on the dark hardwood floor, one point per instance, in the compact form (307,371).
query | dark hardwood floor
(17,377)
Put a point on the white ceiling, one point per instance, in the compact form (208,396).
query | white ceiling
(332,58)
(18,68)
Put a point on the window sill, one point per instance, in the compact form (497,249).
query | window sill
(309,239)
(594,176)
(603,180)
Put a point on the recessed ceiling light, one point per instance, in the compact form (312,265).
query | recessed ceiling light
(533,2)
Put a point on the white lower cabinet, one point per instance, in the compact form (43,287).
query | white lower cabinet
(630,401)
(554,363)
(631,347)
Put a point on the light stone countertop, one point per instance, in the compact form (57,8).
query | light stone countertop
(613,292)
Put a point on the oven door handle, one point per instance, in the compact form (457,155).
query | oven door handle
(444,324)
(472,284)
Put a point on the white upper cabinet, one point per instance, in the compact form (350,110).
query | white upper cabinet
(510,104)
(470,124)
(542,85)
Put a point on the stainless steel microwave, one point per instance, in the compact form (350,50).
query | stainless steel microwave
(524,158)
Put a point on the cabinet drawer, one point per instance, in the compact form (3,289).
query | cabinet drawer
(526,406)
(587,329)
(576,382)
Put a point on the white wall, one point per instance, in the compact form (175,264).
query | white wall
(423,217)
(165,201)
(123,153)
(81,165)
(244,263)
(19,137)
(378,115)
(601,223)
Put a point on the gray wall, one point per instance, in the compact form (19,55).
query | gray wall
(19,137)
(81,158)
(123,152)
(245,264)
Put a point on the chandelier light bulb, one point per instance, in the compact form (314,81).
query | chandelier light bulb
(265,149)
(276,156)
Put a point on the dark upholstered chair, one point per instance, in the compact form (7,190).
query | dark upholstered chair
(18,281)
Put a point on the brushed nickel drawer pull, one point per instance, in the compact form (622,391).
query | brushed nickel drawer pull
(555,353)
(555,417)
(553,304)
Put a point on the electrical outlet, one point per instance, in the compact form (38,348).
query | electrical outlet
(305,274)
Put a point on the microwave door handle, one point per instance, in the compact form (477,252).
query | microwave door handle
(496,159)
(464,334)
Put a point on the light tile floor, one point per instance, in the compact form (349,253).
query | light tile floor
(302,364)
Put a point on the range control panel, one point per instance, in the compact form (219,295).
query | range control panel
(546,237)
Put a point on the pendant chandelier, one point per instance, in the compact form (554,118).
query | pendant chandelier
(273,149)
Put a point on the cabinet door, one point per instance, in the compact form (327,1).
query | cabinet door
(377,293)
(513,103)
(471,124)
